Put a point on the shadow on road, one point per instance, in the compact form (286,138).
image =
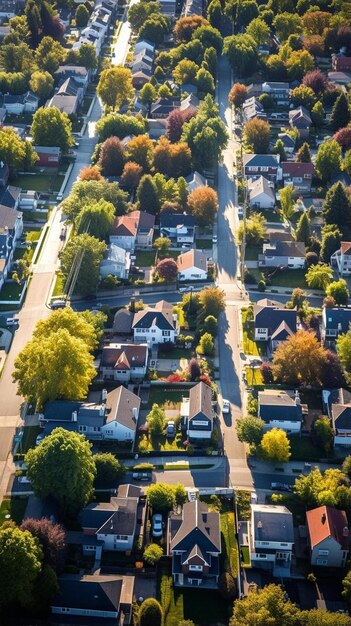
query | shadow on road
(228,363)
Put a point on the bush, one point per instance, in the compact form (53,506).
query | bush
(261,285)
(150,613)
(267,374)
(249,278)
(152,554)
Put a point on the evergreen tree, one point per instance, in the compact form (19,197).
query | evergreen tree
(304,154)
(330,243)
(280,149)
(147,195)
(303,229)
(336,208)
(340,115)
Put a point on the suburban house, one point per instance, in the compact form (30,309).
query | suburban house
(271,539)
(253,108)
(272,322)
(328,534)
(339,78)
(95,596)
(157,128)
(279,92)
(341,63)
(190,103)
(111,415)
(162,107)
(335,321)
(116,262)
(140,77)
(277,253)
(337,404)
(196,413)
(9,196)
(18,104)
(342,258)
(261,193)
(134,230)
(192,265)
(4,173)
(48,156)
(11,228)
(288,141)
(156,324)
(168,7)
(298,174)
(28,200)
(144,44)
(124,362)
(65,103)
(281,409)
(195,180)
(72,87)
(122,322)
(180,228)
(301,120)
(194,543)
(112,523)
(261,165)
(78,72)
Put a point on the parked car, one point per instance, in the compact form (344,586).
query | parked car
(39,439)
(157,525)
(240,212)
(58,304)
(280,487)
(214,239)
(12,321)
(141,476)
(171,429)
(225,406)
(186,246)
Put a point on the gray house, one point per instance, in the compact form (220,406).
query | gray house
(197,414)
(281,409)
(335,321)
(272,322)
(271,539)
(289,254)
(328,533)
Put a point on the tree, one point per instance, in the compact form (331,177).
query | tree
(42,84)
(167,269)
(319,276)
(287,24)
(148,94)
(206,345)
(82,16)
(186,26)
(152,554)
(88,192)
(304,154)
(112,157)
(339,291)
(203,205)
(340,115)
(328,160)
(155,28)
(165,92)
(279,148)
(287,201)
(18,154)
(318,488)
(76,324)
(117,125)
(227,586)
(205,134)
(343,137)
(49,54)
(90,252)
(316,80)
(304,96)
(131,175)
(212,301)
(175,121)
(185,71)
(96,219)
(138,13)
(156,420)
(336,207)
(210,325)
(332,372)
(250,430)
(255,229)
(214,13)
(298,64)
(50,127)
(108,470)
(115,86)
(87,56)
(264,606)
(257,135)
(205,82)
(194,370)
(162,244)
(71,453)
(172,159)
(238,95)
(343,345)
(275,446)
(141,150)
(299,359)
(318,114)
(324,433)
(162,497)
(39,366)
(209,36)
(150,613)
(91,172)
(242,52)
(20,564)
(346,592)
(303,229)
(52,540)
(259,31)
(347,162)
(147,195)
(346,466)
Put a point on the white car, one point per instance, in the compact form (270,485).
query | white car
(240,212)
(214,239)
(157,525)
(225,406)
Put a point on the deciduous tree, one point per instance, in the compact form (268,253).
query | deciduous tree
(250,430)
(328,160)
(131,175)
(262,606)
(112,157)
(299,359)
(18,154)
(242,52)
(20,564)
(255,229)
(286,24)
(175,121)
(82,16)
(315,80)
(147,195)
(51,127)
(152,554)
(162,497)
(205,134)
(88,192)
(141,150)
(96,219)
(275,446)
(185,27)
(117,125)
(304,96)
(90,173)
(259,31)
(76,324)
(203,205)
(319,276)
(115,86)
(324,433)
(88,251)
(162,244)
(52,540)
(339,291)
(318,488)
(42,84)
(212,301)
(238,94)
(343,137)
(150,613)
(343,344)
(156,420)
(167,269)
(206,345)
(257,134)
(185,71)
(108,470)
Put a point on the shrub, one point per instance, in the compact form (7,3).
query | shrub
(152,554)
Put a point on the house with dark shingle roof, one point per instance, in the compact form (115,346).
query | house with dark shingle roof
(156,324)
(301,120)
(179,227)
(298,174)
(124,362)
(272,322)
(96,597)
(290,254)
(261,165)
(328,533)
(342,258)
(11,228)
(281,409)
(337,404)
(197,414)
(335,321)
(271,539)
(194,543)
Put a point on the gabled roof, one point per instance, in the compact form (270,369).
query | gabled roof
(192,258)
(282,332)
(271,317)
(78,70)
(161,315)
(345,248)
(258,186)
(261,160)
(280,404)
(128,225)
(337,317)
(120,407)
(122,520)
(70,87)
(92,593)
(198,527)
(8,217)
(174,220)
(341,417)
(285,249)
(9,196)
(287,140)
(324,522)
(124,356)
(272,523)
(300,114)
(293,168)
(200,402)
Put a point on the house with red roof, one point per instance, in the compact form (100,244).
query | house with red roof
(134,230)
(298,174)
(341,63)
(342,258)
(328,533)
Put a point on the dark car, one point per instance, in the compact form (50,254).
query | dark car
(141,476)
(281,487)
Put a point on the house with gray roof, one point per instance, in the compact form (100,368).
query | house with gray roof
(261,165)
(288,141)
(194,543)
(124,362)
(93,597)
(335,321)
(271,539)
(261,193)
(281,409)
(272,322)
(156,324)
(337,404)
(252,108)
(288,254)
(278,91)
(196,413)
(11,228)
(301,120)
(178,227)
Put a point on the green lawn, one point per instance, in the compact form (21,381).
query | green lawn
(11,291)
(13,507)
(86,105)
(253,376)
(59,285)
(289,278)
(145,258)
(32,236)
(204,244)
(177,353)
(230,552)
(250,346)
(245,552)
(39,182)
(252,252)
(302,449)
(166,397)
(30,434)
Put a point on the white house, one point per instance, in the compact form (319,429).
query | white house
(271,539)
(11,228)
(291,254)
(28,200)
(134,230)
(195,180)
(328,533)
(116,263)
(124,362)
(192,265)
(196,413)
(261,193)
(156,324)
(342,258)
(281,409)
(278,91)
(24,103)
(180,228)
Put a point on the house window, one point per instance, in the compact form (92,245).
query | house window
(323,552)
(261,556)
(166,333)
(264,169)
(153,330)
(261,330)
(83,429)
(322,561)
(122,537)
(195,568)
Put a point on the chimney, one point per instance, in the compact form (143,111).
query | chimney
(297,398)
(345,531)
(102,410)
(324,518)
(104,395)
(135,413)
(74,416)
(132,305)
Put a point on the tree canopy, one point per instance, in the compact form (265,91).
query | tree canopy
(51,127)
(275,446)
(87,252)
(20,564)
(318,488)
(299,359)
(115,86)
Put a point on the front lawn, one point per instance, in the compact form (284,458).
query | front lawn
(11,291)
(59,285)
(253,376)
(15,507)
(145,258)
(39,182)
(168,398)
(245,554)
(302,449)
(230,552)
(204,244)
(177,353)
(250,346)
(271,215)
(252,252)
(289,278)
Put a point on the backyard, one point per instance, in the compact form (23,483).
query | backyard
(39,182)
(167,397)
(11,291)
